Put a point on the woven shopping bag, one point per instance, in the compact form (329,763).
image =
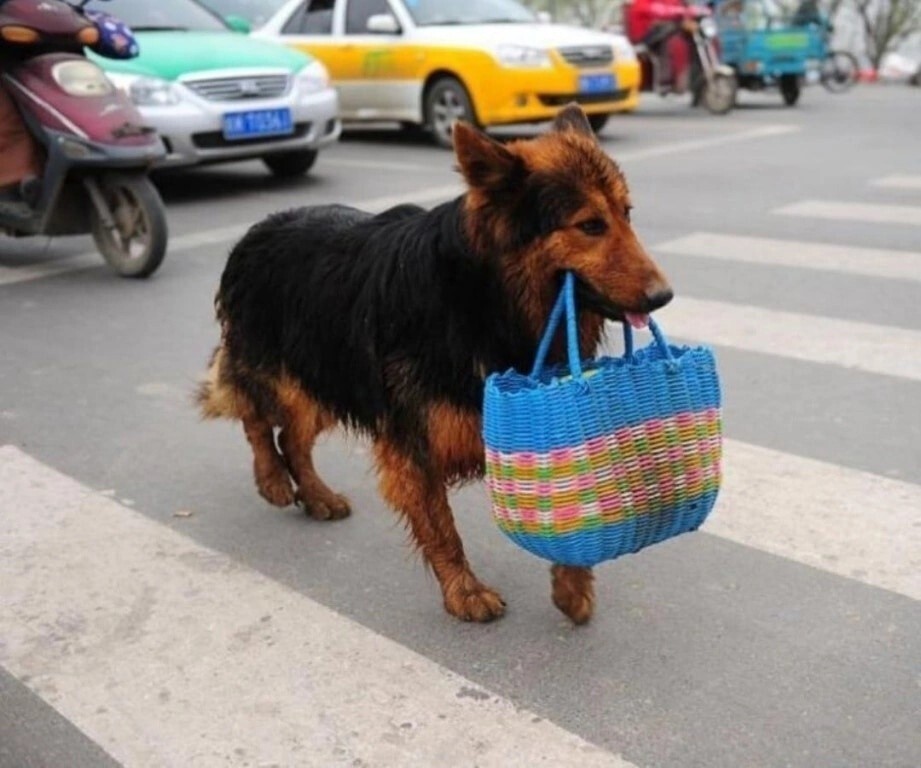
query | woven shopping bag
(590,460)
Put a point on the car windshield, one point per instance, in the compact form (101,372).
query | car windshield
(161,15)
(256,12)
(428,13)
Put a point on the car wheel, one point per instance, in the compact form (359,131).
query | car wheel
(598,122)
(789,89)
(446,102)
(288,165)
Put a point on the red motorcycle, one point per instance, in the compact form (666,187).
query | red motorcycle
(712,83)
(97,151)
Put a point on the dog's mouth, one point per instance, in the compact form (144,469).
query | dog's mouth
(593,301)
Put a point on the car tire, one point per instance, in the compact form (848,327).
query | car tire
(598,122)
(289,165)
(789,89)
(445,102)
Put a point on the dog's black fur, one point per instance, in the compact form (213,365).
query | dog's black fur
(426,315)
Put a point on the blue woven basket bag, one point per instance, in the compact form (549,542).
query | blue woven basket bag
(590,460)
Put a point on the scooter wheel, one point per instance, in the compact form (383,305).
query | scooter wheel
(719,95)
(136,246)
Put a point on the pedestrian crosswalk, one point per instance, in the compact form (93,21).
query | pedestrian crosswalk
(826,257)
(898,181)
(868,213)
(155,647)
(166,652)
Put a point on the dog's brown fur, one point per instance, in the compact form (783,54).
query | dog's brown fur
(426,424)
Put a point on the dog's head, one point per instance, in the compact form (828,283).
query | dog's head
(558,202)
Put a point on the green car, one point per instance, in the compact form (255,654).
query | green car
(215,95)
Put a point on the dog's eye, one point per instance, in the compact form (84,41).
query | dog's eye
(593,227)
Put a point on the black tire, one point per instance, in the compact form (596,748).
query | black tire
(840,71)
(719,95)
(598,122)
(289,165)
(445,102)
(137,247)
(789,89)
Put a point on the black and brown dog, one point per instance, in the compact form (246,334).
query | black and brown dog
(389,324)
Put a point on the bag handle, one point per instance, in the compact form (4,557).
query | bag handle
(566,302)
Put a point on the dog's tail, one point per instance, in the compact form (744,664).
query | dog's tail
(215,397)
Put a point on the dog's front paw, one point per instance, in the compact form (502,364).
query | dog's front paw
(334,508)
(471,601)
(276,489)
(574,592)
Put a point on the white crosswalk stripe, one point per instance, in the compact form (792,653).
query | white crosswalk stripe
(898,182)
(871,262)
(869,213)
(856,524)
(187,642)
(811,338)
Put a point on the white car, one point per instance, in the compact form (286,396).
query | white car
(215,95)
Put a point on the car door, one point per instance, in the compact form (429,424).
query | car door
(311,27)
(378,68)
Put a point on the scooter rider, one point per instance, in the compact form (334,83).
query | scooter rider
(21,156)
(655,23)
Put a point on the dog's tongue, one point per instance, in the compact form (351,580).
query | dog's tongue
(637,319)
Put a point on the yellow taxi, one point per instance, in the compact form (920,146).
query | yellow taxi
(430,62)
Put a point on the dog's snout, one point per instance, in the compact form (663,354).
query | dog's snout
(658,296)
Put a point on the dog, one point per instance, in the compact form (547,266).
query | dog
(389,324)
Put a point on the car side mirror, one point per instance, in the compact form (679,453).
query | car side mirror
(383,24)
(238,24)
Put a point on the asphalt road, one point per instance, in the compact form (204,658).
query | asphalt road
(787,632)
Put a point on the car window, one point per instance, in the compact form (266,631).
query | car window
(429,12)
(357,13)
(256,12)
(315,17)
(161,15)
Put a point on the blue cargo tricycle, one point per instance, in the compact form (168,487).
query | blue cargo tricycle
(769,47)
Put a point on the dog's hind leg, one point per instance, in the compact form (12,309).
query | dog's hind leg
(422,499)
(304,419)
(222,395)
(270,471)
(574,592)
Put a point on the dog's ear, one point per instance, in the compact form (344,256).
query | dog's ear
(572,118)
(485,163)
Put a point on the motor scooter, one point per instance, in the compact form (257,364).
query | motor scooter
(97,149)
(712,83)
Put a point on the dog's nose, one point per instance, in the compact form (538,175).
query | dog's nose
(658,296)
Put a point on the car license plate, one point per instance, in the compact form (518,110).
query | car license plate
(600,83)
(258,123)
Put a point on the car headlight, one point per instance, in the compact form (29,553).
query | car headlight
(522,56)
(708,27)
(623,51)
(81,78)
(313,78)
(146,91)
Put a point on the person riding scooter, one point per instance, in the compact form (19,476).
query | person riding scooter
(21,157)
(655,24)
